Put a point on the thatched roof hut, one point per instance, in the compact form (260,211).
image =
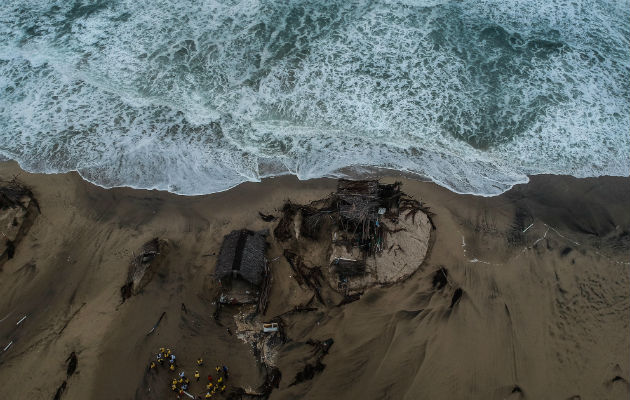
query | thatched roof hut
(242,256)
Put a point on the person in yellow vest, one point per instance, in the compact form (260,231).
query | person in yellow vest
(209,385)
(174,382)
(172,367)
(220,380)
(173,387)
(223,388)
(197,375)
(200,361)
(152,365)
(208,395)
(218,369)
(162,351)
(181,380)
(168,352)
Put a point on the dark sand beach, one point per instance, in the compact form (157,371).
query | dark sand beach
(543,314)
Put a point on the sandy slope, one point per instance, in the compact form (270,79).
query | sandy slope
(544,314)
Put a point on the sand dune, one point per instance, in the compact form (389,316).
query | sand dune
(542,271)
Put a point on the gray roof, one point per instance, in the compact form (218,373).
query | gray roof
(242,255)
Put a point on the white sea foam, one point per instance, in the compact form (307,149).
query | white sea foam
(196,97)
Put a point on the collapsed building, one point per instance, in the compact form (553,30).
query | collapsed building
(143,267)
(18,209)
(242,269)
(376,233)
(382,235)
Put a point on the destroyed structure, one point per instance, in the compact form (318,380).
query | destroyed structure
(364,234)
(242,269)
(143,267)
(378,235)
(18,209)
(382,237)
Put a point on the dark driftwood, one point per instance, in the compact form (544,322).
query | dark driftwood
(413,206)
(320,349)
(456,297)
(157,323)
(440,278)
(272,380)
(11,194)
(310,277)
(263,300)
(358,204)
(284,229)
(266,217)
(60,390)
(347,299)
(72,363)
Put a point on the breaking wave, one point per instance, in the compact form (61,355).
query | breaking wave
(197,97)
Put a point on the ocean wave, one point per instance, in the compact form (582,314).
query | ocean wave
(197,97)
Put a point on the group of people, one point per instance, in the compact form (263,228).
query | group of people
(219,385)
(181,383)
(164,355)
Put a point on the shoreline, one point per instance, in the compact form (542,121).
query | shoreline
(539,305)
(357,172)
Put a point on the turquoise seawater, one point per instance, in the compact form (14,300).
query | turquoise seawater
(197,96)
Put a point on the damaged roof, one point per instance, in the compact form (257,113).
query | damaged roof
(242,255)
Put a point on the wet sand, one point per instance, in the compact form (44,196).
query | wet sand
(544,314)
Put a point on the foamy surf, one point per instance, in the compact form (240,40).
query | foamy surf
(196,98)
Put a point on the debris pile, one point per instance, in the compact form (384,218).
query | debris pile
(251,329)
(310,277)
(143,267)
(376,234)
(265,340)
(18,209)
